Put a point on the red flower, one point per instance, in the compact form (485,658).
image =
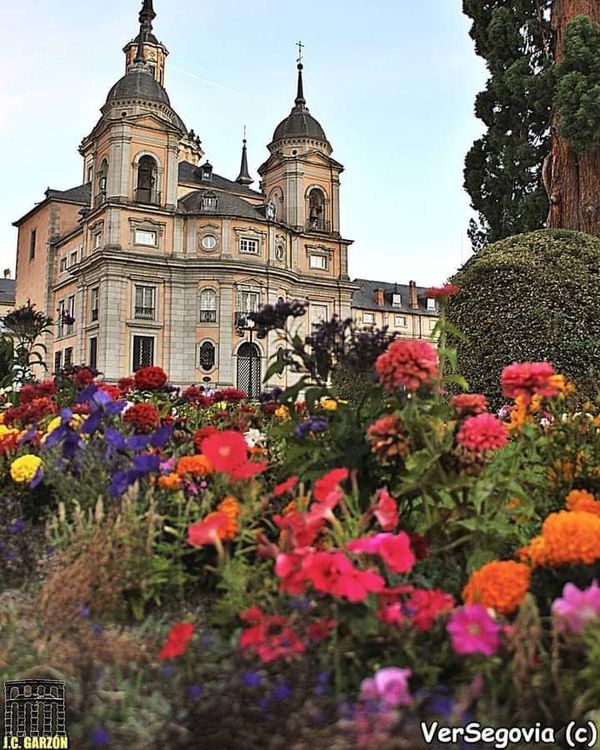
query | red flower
(408,363)
(484,432)
(178,640)
(427,605)
(442,292)
(469,404)
(328,483)
(386,511)
(150,378)
(281,489)
(126,385)
(333,573)
(30,412)
(193,395)
(144,418)
(301,530)
(394,550)
(112,390)
(271,636)
(418,544)
(320,629)
(31,392)
(207,530)
(83,377)
(269,408)
(528,378)
(225,450)
(289,569)
(230,395)
(201,434)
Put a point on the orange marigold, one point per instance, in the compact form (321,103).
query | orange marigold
(170,482)
(499,585)
(198,466)
(231,509)
(583,500)
(570,538)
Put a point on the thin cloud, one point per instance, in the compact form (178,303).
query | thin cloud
(215,84)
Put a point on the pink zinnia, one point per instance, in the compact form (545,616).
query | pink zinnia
(408,363)
(484,432)
(577,608)
(469,404)
(473,631)
(528,378)
(389,685)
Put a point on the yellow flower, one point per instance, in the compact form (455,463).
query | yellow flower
(5,431)
(329,404)
(24,468)
(563,386)
(282,412)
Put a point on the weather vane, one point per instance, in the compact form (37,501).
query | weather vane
(300,48)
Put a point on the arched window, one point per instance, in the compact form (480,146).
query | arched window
(146,191)
(208,306)
(316,210)
(206,357)
(102,181)
(249,369)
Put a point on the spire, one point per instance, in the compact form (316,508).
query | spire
(300,100)
(147,15)
(244,176)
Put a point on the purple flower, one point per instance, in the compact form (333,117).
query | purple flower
(194,692)
(114,439)
(84,612)
(472,631)
(577,608)
(100,737)
(16,527)
(37,479)
(282,691)
(251,678)
(161,436)
(313,424)
(138,442)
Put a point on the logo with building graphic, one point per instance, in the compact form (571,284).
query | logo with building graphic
(34,715)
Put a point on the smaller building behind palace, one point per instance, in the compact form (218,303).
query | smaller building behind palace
(155,259)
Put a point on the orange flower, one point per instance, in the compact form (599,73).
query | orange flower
(583,500)
(499,585)
(562,385)
(198,466)
(290,508)
(231,509)
(535,553)
(170,482)
(569,538)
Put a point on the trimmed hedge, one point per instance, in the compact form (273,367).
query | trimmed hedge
(531,297)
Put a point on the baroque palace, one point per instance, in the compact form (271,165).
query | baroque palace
(156,259)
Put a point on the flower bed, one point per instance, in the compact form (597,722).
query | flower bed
(281,574)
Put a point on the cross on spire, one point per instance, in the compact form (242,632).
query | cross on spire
(300,53)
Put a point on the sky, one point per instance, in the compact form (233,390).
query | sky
(392,82)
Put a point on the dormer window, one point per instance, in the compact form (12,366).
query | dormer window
(431,304)
(206,171)
(396,300)
(209,202)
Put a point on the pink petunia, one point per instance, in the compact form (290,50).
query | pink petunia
(577,608)
(472,631)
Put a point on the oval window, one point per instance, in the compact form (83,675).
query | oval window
(209,242)
(207,356)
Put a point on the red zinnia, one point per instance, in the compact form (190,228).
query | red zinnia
(178,640)
(408,363)
(230,395)
(150,378)
(527,379)
(126,385)
(143,418)
(469,404)
(483,433)
(201,434)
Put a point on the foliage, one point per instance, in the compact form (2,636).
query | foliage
(578,85)
(503,169)
(530,297)
(26,326)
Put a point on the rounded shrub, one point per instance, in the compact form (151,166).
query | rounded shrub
(531,297)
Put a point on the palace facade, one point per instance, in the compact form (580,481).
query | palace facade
(156,259)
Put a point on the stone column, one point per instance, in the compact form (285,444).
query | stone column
(226,340)
(228,237)
(171,171)
(114,334)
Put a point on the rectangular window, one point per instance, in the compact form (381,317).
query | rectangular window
(248,246)
(32,240)
(69,356)
(145,237)
(318,313)
(369,318)
(63,265)
(73,258)
(396,300)
(94,303)
(61,313)
(93,358)
(318,261)
(145,303)
(71,314)
(430,304)
(57,362)
(249,301)
(97,240)
(400,321)
(143,352)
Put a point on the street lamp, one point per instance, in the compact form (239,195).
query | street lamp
(247,324)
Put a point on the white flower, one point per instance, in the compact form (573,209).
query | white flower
(254,437)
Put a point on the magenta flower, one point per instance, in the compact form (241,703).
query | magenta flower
(472,630)
(389,685)
(577,608)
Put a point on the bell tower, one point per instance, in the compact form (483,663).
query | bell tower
(154,52)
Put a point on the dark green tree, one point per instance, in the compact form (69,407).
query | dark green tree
(504,168)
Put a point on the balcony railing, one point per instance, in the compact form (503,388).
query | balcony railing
(146,195)
(144,313)
(208,316)
(241,318)
(318,225)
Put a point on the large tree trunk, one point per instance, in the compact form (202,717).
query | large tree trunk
(572,180)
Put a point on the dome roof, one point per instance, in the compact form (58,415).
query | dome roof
(299,124)
(138,83)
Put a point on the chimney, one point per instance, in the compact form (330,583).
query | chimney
(7,273)
(379,297)
(412,295)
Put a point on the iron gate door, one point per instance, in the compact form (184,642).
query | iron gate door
(248,369)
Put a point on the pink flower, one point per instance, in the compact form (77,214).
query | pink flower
(410,363)
(442,292)
(386,510)
(577,607)
(528,378)
(389,685)
(472,631)
(178,641)
(469,404)
(394,550)
(328,483)
(484,432)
